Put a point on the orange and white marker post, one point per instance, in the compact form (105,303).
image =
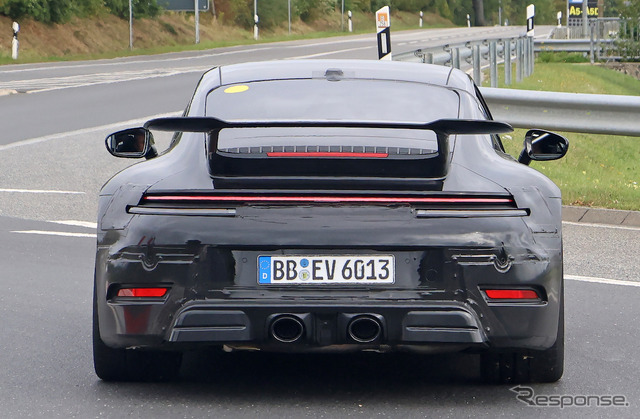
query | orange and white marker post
(383,23)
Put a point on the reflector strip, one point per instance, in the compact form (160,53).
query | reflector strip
(362,199)
(512,294)
(142,292)
(326,154)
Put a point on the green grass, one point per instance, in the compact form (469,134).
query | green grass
(599,170)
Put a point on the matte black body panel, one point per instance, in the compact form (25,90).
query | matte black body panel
(446,253)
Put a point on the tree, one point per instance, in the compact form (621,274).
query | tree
(628,42)
(478,9)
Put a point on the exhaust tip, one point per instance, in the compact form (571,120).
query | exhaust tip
(365,329)
(287,329)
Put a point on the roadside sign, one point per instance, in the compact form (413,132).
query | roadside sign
(531,12)
(575,9)
(382,18)
(184,5)
(383,24)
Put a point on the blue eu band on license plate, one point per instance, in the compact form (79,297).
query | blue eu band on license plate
(323,269)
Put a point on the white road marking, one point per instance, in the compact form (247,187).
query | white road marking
(619,227)
(103,63)
(57,83)
(55,233)
(40,191)
(320,54)
(605,281)
(84,131)
(77,223)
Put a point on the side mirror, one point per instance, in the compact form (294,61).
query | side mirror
(133,143)
(543,145)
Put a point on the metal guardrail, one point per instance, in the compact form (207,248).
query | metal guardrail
(572,112)
(479,53)
(571,45)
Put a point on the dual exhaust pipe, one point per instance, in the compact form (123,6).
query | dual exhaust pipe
(287,329)
(363,328)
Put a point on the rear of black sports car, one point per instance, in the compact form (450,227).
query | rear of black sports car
(329,236)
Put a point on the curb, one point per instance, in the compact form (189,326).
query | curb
(601,216)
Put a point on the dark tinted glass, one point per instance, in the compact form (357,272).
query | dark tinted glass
(320,99)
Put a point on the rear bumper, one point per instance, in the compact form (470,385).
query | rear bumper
(250,323)
(325,325)
(214,297)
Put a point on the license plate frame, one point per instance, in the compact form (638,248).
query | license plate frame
(344,270)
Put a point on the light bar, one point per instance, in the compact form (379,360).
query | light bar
(512,294)
(142,292)
(328,199)
(326,154)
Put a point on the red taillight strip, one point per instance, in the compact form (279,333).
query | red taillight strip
(363,199)
(142,292)
(327,154)
(512,294)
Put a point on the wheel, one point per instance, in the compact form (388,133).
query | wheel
(113,364)
(530,366)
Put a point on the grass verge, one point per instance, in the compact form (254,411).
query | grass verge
(599,170)
(105,36)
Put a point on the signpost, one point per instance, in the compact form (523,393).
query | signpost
(187,6)
(184,5)
(383,23)
(130,25)
(576,10)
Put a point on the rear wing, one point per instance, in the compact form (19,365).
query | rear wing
(350,164)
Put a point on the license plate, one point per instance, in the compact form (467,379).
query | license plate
(323,269)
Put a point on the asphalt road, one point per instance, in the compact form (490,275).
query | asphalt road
(60,97)
(45,351)
(53,163)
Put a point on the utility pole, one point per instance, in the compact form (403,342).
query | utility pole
(196,7)
(130,25)
(585,18)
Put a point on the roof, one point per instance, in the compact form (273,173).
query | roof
(358,69)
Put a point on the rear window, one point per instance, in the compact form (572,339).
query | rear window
(323,100)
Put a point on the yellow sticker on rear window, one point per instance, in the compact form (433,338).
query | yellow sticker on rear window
(236,89)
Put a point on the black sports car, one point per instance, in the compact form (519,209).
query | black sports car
(330,205)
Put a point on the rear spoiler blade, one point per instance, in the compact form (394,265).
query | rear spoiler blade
(434,166)
(444,127)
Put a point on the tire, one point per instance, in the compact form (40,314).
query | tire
(115,364)
(531,366)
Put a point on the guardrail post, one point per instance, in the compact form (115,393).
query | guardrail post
(592,51)
(428,58)
(532,55)
(527,56)
(447,48)
(477,65)
(455,58)
(507,62)
(519,61)
(493,63)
